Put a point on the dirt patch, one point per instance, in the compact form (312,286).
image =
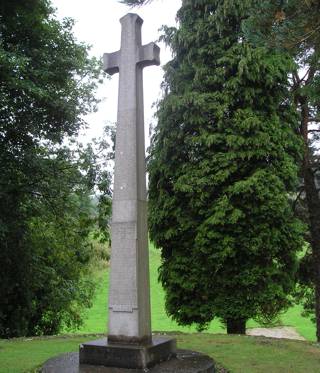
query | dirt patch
(286,332)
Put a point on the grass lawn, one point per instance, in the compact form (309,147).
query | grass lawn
(238,354)
(96,316)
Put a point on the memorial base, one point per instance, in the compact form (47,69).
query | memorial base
(184,362)
(132,356)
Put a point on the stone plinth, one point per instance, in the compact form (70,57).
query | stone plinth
(130,356)
(184,362)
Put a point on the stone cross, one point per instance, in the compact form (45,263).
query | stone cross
(129,344)
(129,290)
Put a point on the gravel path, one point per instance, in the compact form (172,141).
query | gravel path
(287,332)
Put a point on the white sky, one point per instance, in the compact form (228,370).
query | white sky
(97,24)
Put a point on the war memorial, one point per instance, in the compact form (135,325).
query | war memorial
(130,345)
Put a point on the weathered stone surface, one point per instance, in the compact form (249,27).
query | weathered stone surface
(184,362)
(132,356)
(129,292)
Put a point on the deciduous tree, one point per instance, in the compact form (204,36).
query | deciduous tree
(47,84)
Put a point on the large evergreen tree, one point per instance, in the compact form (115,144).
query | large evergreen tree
(222,166)
(47,85)
(292,27)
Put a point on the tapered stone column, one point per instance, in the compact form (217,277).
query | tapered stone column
(130,343)
(129,292)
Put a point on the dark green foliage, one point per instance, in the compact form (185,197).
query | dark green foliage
(45,262)
(105,151)
(305,289)
(223,162)
(47,84)
(292,27)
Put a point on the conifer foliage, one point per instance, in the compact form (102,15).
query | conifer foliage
(222,165)
(292,27)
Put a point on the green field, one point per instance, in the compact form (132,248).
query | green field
(97,316)
(238,354)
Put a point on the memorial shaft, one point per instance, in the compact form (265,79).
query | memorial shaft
(129,290)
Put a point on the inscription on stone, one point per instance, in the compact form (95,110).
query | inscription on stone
(124,231)
(123,308)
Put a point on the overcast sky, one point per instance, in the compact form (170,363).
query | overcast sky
(97,23)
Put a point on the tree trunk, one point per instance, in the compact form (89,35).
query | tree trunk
(236,326)
(313,204)
(314,216)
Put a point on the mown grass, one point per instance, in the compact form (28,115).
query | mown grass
(25,355)
(97,316)
(238,354)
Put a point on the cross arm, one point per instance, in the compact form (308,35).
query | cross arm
(149,55)
(111,62)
